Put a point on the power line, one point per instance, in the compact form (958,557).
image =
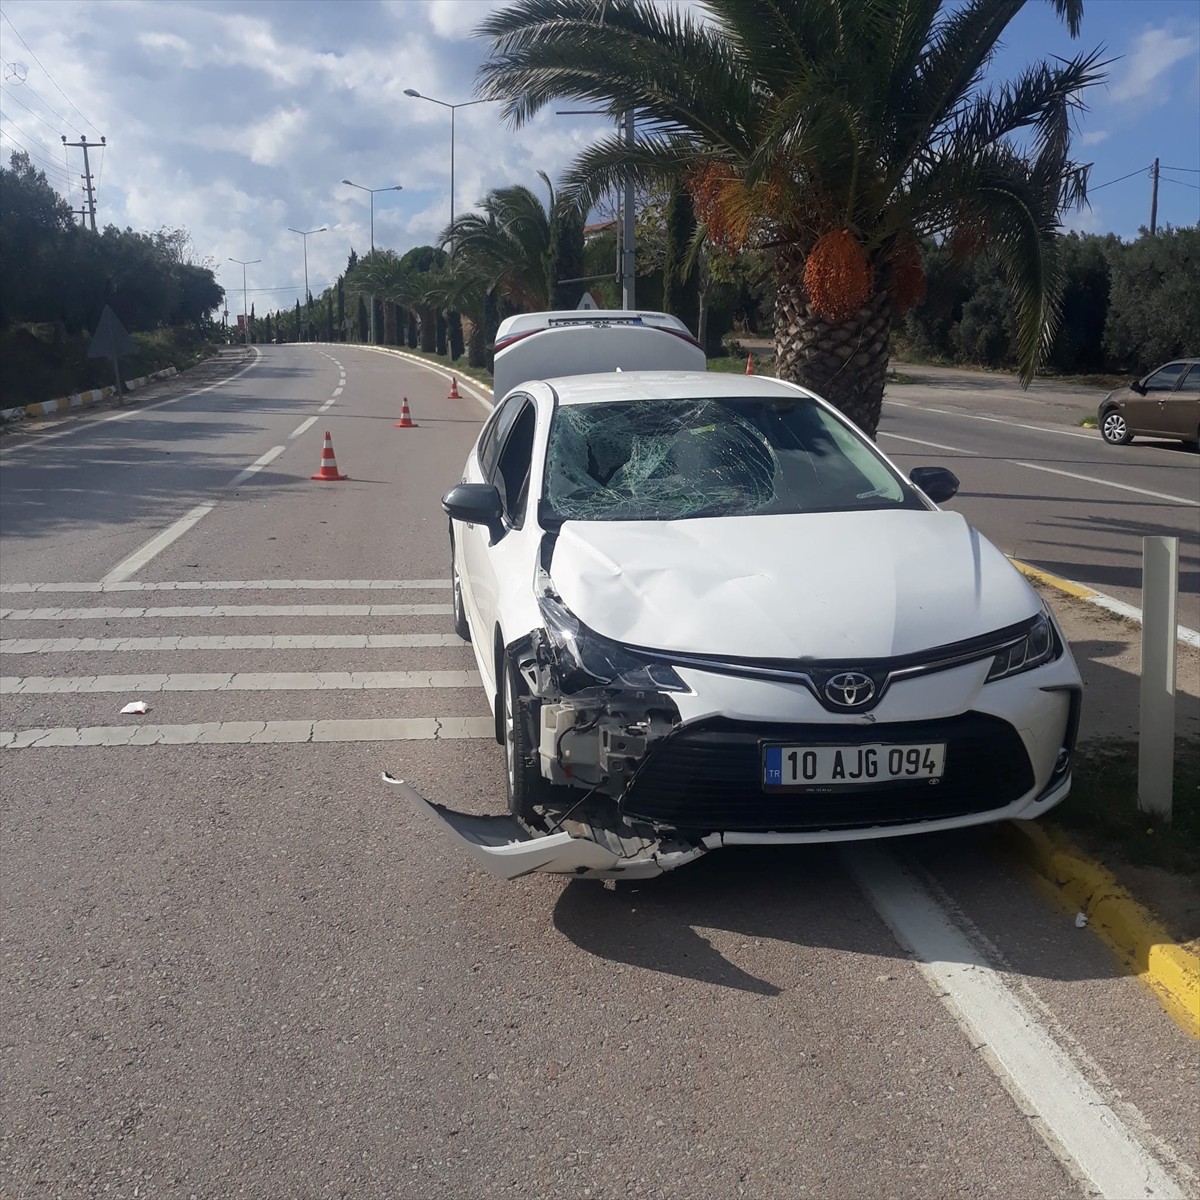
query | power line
(39,63)
(1192,170)
(30,111)
(1139,171)
(1181,182)
(63,174)
(28,87)
(31,136)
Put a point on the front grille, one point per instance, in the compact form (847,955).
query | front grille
(708,777)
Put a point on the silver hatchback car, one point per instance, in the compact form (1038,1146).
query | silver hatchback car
(1165,404)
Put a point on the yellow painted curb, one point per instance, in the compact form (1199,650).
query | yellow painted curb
(1125,926)
(1055,581)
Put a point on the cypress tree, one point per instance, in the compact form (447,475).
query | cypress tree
(454,321)
(341,309)
(441,333)
(329,316)
(363,320)
(298,319)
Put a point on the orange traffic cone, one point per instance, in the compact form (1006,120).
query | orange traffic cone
(453,389)
(406,421)
(328,469)
(749,364)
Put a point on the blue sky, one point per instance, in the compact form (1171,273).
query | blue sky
(238,120)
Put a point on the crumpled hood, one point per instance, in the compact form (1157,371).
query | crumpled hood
(860,585)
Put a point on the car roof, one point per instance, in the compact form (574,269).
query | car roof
(666,385)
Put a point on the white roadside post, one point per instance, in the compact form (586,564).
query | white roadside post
(1156,743)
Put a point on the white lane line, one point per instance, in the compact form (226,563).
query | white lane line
(921,442)
(157,544)
(1124,487)
(257,465)
(235,585)
(225,610)
(1067,1110)
(254,733)
(337,391)
(302,427)
(325,407)
(240,681)
(277,641)
(130,412)
(950,412)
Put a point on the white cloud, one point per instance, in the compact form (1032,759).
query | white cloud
(1155,52)
(1094,138)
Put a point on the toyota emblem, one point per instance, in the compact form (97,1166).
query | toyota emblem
(850,689)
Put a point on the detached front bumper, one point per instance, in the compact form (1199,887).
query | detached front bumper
(504,848)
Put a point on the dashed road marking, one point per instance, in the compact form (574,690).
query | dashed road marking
(921,442)
(278,641)
(257,465)
(157,544)
(225,610)
(302,427)
(1124,487)
(241,681)
(253,733)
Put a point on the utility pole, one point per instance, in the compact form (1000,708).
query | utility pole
(1154,199)
(84,145)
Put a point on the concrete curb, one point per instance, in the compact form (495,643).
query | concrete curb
(1190,637)
(1125,926)
(80,399)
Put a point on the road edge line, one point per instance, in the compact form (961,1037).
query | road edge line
(1080,591)
(1128,928)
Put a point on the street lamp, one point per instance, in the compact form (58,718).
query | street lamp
(245,307)
(398,187)
(452,107)
(305,234)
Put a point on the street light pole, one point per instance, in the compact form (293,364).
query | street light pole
(453,109)
(396,187)
(245,307)
(305,234)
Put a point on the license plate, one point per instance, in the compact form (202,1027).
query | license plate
(846,766)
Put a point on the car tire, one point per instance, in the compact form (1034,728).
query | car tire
(1114,429)
(527,789)
(460,612)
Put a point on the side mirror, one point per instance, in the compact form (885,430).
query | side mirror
(1136,386)
(475,504)
(937,483)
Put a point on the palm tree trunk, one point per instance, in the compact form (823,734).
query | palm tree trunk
(844,362)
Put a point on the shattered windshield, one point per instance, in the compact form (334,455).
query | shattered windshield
(666,460)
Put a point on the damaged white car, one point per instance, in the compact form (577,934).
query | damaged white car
(708,611)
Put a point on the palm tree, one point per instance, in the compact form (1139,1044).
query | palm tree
(834,133)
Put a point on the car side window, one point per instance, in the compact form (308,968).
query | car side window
(495,431)
(1191,385)
(511,473)
(1165,378)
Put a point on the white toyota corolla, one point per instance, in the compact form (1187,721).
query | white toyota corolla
(708,611)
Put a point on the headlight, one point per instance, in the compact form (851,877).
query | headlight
(583,659)
(1038,646)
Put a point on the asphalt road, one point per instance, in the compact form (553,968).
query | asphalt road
(1045,490)
(232,964)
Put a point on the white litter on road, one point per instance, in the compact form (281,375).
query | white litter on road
(135,708)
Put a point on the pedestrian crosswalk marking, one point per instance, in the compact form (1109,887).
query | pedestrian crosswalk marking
(278,641)
(234,585)
(253,733)
(265,681)
(170,612)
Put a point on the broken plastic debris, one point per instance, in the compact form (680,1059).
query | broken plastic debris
(1080,920)
(136,706)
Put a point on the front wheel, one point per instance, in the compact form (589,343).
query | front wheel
(526,787)
(1114,430)
(460,612)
